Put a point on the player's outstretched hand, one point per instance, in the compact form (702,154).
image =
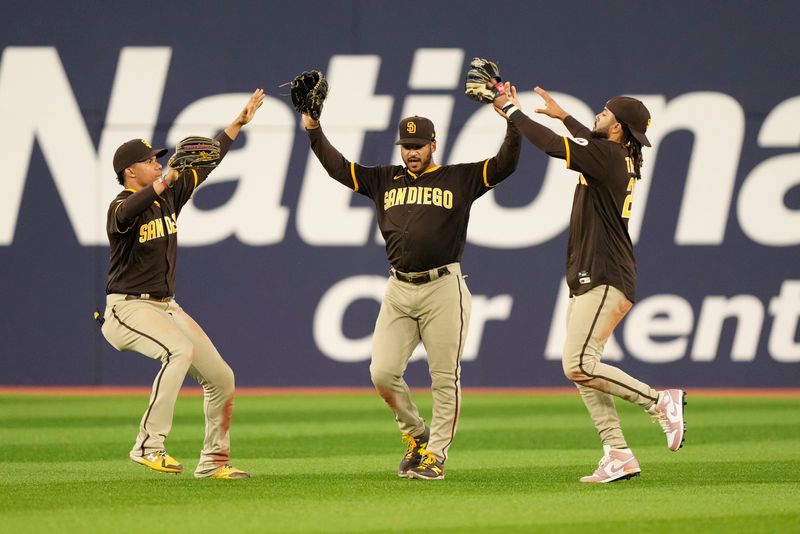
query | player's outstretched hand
(509,96)
(551,107)
(255,101)
(246,115)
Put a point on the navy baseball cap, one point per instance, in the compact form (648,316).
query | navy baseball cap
(633,114)
(416,131)
(134,151)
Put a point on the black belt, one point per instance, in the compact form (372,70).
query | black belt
(148,296)
(420,278)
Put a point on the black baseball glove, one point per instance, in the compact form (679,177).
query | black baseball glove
(309,91)
(194,152)
(483,81)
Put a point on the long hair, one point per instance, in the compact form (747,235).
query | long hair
(634,148)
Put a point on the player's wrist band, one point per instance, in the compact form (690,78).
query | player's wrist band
(510,108)
(164,181)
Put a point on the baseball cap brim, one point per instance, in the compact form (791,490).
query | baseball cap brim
(157,152)
(134,151)
(642,138)
(414,141)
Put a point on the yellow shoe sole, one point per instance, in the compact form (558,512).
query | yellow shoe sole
(162,467)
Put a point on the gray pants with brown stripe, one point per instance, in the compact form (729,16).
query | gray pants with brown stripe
(591,318)
(437,313)
(163,331)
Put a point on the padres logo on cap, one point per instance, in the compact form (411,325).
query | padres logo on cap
(411,128)
(145,143)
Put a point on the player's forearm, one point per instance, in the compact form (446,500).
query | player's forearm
(507,157)
(135,205)
(331,159)
(542,137)
(576,128)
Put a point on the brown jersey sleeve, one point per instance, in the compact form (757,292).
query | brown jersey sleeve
(359,178)
(124,211)
(576,128)
(587,156)
(500,167)
(542,137)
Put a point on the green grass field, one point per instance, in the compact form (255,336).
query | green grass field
(326,463)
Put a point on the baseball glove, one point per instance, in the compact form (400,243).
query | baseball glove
(478,87)
(309,91)
(195,152)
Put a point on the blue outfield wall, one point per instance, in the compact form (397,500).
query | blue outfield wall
(284,267)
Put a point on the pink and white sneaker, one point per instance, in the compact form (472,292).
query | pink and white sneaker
(669,414)
(616,464)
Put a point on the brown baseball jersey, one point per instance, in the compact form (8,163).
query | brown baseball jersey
(142,230)
(423,218)
(599,250)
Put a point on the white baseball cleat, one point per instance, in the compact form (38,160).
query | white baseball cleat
(616,464)
(669,414)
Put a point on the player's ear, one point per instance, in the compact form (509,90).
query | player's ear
(433,147)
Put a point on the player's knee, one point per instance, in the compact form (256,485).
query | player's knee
(442,380)
(227,384)
(574,371)
(382,378)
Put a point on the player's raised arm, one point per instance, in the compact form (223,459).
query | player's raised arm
(247,114)
(542,137)
(505,162)
(309,90)
(553,110)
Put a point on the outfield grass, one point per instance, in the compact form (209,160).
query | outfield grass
(327,464)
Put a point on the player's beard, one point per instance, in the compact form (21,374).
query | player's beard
(424,163)
(599,134)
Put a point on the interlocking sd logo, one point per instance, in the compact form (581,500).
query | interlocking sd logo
(411,127)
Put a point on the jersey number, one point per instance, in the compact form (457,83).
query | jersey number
(626,206)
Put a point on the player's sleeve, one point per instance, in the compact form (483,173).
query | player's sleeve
(542,137)
(361,179)
(581,154)
(500,167)
(123,211)
(585,156)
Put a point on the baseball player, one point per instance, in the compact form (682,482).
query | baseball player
(142,314)
(423,209)
(601,269)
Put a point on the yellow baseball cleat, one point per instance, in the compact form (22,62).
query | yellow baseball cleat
(227,472)
(159,461)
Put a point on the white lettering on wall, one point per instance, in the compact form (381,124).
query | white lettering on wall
(37,99)
(37,104)
(329,316)
(785,308)
(716,122)
(763,214)
(657,329)
(749,314)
